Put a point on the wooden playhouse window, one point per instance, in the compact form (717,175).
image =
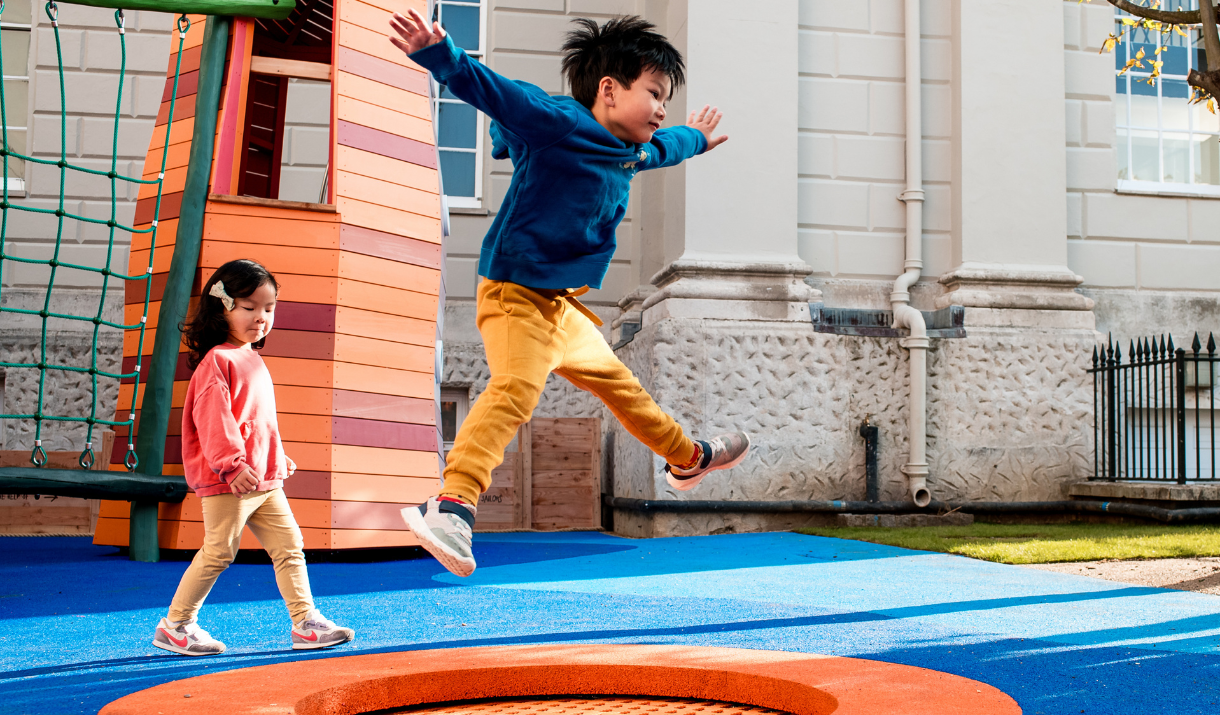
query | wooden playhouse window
(297,46)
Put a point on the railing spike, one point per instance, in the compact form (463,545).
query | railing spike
(1211,344)
(1171,348)
(1118,354)
(1138,350)
(1195,345)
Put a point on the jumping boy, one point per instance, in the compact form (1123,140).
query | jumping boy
(553,238)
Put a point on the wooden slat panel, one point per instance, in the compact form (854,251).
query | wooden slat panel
(544,460)
(370,539)
(380,488)
(188,84)
(278,259)
(400,249)
(368,139)
(564,508)
(346,376)
(366,323)
(367,460)
(371,351)
(381,271)
(346,292)
(384,218)
(171,204)
(273,231)
(403,198)
(367,16)
(372,43)
(385,168)
(562,478)
(409,79)
(389,98)
(179,156)
(565,434)
(347,403)
(184,108)
(386,120)
(323,429)
(179,132)
(175,182)
(367,515)
(291,210)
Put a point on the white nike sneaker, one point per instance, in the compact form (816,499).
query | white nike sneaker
(186,638)
(315,631)
(444,530)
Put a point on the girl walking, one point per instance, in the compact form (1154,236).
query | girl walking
(235,462)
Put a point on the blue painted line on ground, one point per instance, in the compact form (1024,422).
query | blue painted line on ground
(76,619)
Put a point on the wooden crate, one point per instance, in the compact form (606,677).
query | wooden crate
(24,514)
(552,482)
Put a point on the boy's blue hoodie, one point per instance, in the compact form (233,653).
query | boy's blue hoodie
(571,176)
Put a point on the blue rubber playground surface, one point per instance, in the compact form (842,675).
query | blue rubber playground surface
(76,619)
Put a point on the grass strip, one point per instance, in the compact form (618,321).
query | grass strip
(1044,543)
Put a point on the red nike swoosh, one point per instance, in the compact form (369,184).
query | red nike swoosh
(180,643)
(310,637)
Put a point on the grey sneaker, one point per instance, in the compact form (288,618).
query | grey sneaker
(186,639)
(315,631)
(443,528)
(723,452)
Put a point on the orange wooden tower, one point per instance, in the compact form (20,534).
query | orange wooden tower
(353,350)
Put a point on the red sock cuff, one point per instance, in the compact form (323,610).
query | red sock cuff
(693,460)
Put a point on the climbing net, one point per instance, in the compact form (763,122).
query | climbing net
(55,264)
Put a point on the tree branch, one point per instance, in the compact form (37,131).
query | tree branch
(1191,17)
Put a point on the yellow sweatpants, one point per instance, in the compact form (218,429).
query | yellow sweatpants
(270,518)
(527,336)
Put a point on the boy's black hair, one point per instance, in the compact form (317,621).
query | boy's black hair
(622,49)
(208,328)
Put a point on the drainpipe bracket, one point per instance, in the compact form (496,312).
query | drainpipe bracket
(911,195)
(910,342)
(915,471)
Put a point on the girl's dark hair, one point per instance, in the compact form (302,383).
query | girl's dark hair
(622,49)
(208,328)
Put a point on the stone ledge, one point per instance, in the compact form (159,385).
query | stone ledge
(902,521)
(1145,491)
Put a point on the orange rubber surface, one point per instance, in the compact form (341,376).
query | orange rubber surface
(796,683)
(594,705)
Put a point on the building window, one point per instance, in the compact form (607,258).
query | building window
(1165,144)
(455,402)
(15,28)
(459,132)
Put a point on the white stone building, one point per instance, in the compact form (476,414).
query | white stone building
(1057,204)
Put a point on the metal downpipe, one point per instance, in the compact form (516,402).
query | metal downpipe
(905,316)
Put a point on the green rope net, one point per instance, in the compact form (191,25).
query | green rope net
(39,456)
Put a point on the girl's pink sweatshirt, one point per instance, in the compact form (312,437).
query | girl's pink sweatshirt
(229,424)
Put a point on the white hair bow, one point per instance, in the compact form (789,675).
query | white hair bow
(218,291)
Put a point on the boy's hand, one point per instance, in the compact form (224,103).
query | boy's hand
(706,122)
(413,32)
(244,482)
(292,466)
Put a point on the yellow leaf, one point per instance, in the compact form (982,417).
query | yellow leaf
(1108,45)
(1211,106)
(1129,21)
(1140,55)
(1180,31)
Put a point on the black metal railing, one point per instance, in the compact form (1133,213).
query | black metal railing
(1154,416)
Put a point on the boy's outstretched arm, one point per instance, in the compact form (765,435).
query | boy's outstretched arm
(534,118)
(705,121)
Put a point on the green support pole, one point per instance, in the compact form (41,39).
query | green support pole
(159,392)
(265,9)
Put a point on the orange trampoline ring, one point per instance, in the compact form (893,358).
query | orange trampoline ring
(797,683)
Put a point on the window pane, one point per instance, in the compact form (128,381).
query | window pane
(1207,160)
(1205,121)
(1124,171)
(1175,112)
(448,420)
(1177,156)
(1175,57)
(1145,158)
(1143,111)
(462,22)
(457,173)
(459,125)
(16,52)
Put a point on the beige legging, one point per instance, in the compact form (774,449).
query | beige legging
(270,518)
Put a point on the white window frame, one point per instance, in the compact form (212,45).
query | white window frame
(16,184)
(1125,125)
(476,201)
